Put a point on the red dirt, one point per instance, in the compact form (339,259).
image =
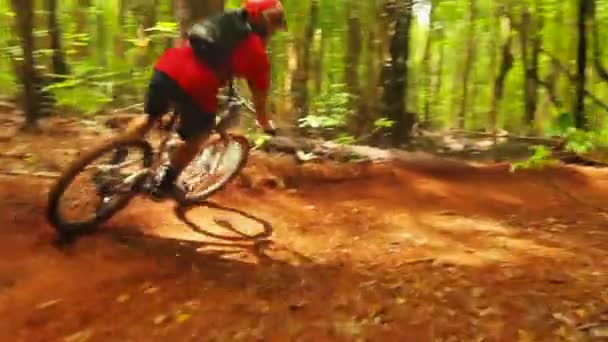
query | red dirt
(426,251)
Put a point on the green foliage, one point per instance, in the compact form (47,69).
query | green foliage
(258,137)
(345,139)
(539,159)
(576,140)
(383,123)
(331,110)
(110,46)
(86,90)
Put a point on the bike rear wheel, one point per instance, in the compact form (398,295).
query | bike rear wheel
(218,163)
(113,186)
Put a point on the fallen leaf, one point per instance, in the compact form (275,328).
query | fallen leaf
(563,318)
(581,313)
(489,311)
(160,319)
(599,331)
(477,292)
(524,336)
(193,304)
(81,336)
(123,298)
(48,304)
(182,317)
(151,290)
(297,306)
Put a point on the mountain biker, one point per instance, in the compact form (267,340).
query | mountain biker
(184,77)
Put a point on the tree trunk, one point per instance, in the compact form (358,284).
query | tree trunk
(426,66)
(573,79)
(81,15)
(530,37)
(59,65)
(597,50)
(301,75)
(368,103)
(581,65)
(190,11)
(120,36)
(318,63)
(151,14)
(439,70)
(506,63)
(102,58)
(394,73)
(24,22)
(201,9)
(351,64)
(468,63)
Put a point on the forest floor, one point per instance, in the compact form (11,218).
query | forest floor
(423,251)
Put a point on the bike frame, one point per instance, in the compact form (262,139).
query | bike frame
(234,101)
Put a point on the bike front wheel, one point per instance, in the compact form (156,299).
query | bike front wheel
(218,163)
(97,185)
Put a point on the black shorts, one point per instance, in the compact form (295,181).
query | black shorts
(164,91)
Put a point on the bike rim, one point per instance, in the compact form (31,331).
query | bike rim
(101,186)
(213,167)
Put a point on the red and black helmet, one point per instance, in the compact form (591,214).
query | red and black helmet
(265,13)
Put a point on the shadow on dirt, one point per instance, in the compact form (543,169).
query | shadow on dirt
(181,213)
(199,244)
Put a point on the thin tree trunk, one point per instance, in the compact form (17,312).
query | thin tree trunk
(551,82)
(439,70)
(200,9)
(81,14)
(573,79)
(190,11)
(101,38)
(530,37)
(394,73)
(532,71)
(426,66)
(351,64)
(597,50)
(506,64)
(468,63)
(301,75)
(25,21)
(368,106)
(59,65)
(119,38)
(150,17)
(353,50)
(318,63)
(581,65)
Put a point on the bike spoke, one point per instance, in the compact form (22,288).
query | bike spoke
(212,168)
(97,188)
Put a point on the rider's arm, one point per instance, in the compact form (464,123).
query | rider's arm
(260,97)
(252,62)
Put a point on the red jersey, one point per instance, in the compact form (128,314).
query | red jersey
(249,60)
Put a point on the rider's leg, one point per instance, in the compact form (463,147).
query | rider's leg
(195,128)
(155,105)
(181,157)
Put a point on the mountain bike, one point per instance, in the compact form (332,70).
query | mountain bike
(123,168)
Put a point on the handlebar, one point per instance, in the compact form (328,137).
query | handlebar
(235,101)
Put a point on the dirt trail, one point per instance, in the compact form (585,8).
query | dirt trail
(416,252)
